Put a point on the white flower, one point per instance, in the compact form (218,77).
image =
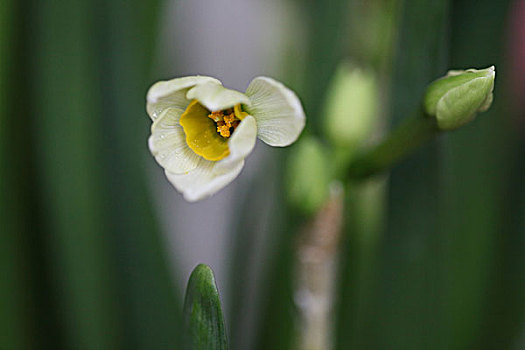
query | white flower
(202,131)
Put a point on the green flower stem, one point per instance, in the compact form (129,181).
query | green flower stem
(407,137)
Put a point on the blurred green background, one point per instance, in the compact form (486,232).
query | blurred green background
(432,258)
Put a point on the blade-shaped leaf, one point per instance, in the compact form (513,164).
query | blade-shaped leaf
(203,320)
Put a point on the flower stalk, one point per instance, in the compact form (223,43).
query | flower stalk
(407,137)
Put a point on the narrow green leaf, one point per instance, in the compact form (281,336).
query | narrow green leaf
(277,317)
(67,106)
(480,234)
(125,36)
(360,262)
(407,309)
(252,222)
(17,312)
(203,320)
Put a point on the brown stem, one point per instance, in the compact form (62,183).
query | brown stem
(317,253)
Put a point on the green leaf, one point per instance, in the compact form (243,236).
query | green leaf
(403,311)
(480,236)
(127,35)
(73,196)
(203,320)
(17,307)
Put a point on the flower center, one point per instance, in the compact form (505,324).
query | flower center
(207,133)
(226,121)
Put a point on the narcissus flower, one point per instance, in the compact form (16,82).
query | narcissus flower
(202,131)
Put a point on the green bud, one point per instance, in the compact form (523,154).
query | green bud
(351,106)
(308,175)
(456,98)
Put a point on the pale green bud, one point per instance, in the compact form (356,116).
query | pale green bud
(351,106)
(456,98)
(308,175)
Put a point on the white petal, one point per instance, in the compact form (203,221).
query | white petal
(172,93)
(241,142)
(277,110)
(204,180)
(168,144)
(216,97)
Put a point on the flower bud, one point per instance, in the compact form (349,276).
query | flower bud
(456,98)
(307,175)
(351,106)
